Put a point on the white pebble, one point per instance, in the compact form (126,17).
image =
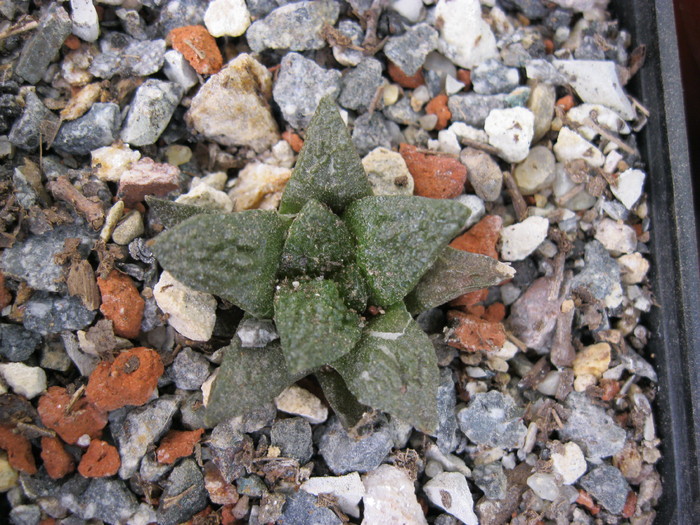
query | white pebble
(570,464)
(633,267)
(617,237)
(521,239)
(179,70)
(476,208)
(465,37)
(604,117)
(629,187)
(544,485)
(208,198)
(387,172)
(348,490)
(86,25)
(110,162)
(27,381)
(448,142)
(510,131)
(300,402)
(452,85)
(227,18)
(390,498)
(450,492)
(536,172)
(572,146)
(411,10)
(465,132)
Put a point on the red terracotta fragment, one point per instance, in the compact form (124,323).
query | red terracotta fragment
(198,47)
(438,106)
(630,505)
(402,79)
(470,298)
(434,176)
(147,177)
(57,461)
(177,444)
(585,499)
(82,418)
(471,333)
(18,448)
(100,459)
(121,303)
(465,77)
(481,238)
(566,102)
(294,140)
(130,379)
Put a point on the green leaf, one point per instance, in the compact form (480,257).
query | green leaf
(345,405)
(456,272)
(314,324)
(247,378)
(232,255)
(328,168)
(399,238)
(318,242)
(171,213)
(394,368)
(352,287)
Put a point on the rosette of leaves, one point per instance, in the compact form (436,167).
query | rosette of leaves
(341,272)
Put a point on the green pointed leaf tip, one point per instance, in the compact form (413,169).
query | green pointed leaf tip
(170,213)
(247,378)
(399,238)
(352,287)
(455,272)
(328,168)
(394,368)
(234,256)
(318,242)
(314,324)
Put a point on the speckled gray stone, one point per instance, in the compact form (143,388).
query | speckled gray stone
(179,13)
(608,486)
(192,411)
(25,515)
(403,113)
(600,274)
(97,128)
(345,454)
(186,483)
(359,85)
(472,108)
(151,470)
(492,77)
(493,419)
(124,56)
(491,479)
(189,369)
(447,438)
(109,500)
(301,509)
(151,109)
(48,313)
(17,343)
(293,437)
(408,51)
(36,122)
(44,44)
(369,132)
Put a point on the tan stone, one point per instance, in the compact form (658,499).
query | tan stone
(593,360)
(258,183)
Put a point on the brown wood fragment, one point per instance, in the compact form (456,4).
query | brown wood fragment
(81,282)
(62,189)
(519,204)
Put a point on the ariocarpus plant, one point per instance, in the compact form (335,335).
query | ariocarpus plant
(341,272)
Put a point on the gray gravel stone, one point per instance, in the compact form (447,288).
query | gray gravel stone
(491,479)
(151,470)
(492,77)
(301,509)
(151,109)
(608,486)
(300,86)
(186,483)
(293,437)
(345,454)
(260,8)
(600,274)
(97,128)
(124,56)
(493,419)
(43,45)
(403,113)
(409,50)
(447,438)
(359,85)
(591,428)
(17,343)
(225,443)
(256,333)
(371,131)
(50,314)
(36,122)
(472,108)
(294,26)
(192,411)
(484,173)
(139,428)
(25,515)
(109,500)
(189,369)
(180,13)
(345,55)
(251,486)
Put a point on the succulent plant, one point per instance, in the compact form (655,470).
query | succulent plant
(341,272)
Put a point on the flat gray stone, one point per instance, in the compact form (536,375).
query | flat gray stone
(186,483)
(344,454)
(189,369)
(47,313)
(608,486)
(17,343)
(447,438)
(408,51)
(46,40)
(97,128)
(151,109)
(124,56)
(360,84)
(109,500)
(293,437)
(301,509)
(473,108)
(370,132)
(35,124)
(492,77)
(493,419)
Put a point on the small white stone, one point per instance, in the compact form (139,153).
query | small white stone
(27,381)
(544,485)
(634,267)
(476,208)
(110,162)
(450,492)
(206,387)
(584,381)
(448,142)
(207,197)
(128,229)
(549,385)
(536,172)
(629,187)
(86,25)
(450,462)
(601,115)
(390,94)
(465,132)
(390,498)
(612,159)
(570,464)
(411,10)
(190,312)
(572,146)
(348,490)
(521,239)
(510,131)
(387,172)
(227,18)
(617,237)
(179,70)
(596,82)
(300,402)
(452,85)
(465,37)
(563,185)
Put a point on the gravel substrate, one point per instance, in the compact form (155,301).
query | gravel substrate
(515,108)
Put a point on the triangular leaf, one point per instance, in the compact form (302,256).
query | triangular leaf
(456,272)
(394,369)
(399,238)
(314,324)
(318,242)
(247,378)
(345,405)
(171,213)
(352,287)
(328,168)
(232,255)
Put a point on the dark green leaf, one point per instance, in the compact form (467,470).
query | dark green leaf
(232,255)
(318,242)
(456,272)
(328,168)
(394,368)
(352,287)
(170,213)
(314,324)
(345,405)
(399,238)
(247,378)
